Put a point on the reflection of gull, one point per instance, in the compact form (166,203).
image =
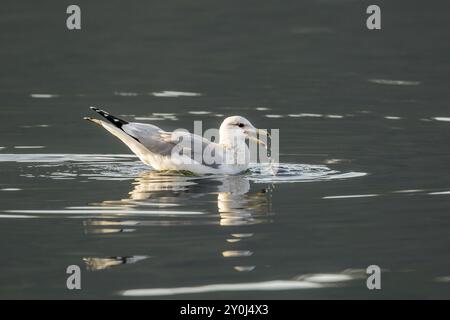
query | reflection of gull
(104,263)
(236,207)
(163,150)
(162,188)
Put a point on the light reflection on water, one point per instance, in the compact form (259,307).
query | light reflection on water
(301,282)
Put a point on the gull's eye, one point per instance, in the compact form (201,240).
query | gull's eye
(241,125)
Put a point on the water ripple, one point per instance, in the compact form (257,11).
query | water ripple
(292,172)
(127,167)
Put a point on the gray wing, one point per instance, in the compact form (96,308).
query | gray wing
(160,142)
(163,143)
(149,136)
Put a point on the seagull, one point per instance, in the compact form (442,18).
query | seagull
(163,150)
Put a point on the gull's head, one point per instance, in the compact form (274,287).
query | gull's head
(240,128)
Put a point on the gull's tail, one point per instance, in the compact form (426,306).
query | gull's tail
(114,126)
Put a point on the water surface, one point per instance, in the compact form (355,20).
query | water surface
(364,141)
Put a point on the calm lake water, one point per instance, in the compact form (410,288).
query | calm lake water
(364,123)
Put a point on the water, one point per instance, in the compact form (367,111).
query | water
(364,132)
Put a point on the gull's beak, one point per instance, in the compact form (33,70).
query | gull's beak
(263,132)
(253,135)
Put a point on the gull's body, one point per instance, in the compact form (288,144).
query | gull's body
(156,147)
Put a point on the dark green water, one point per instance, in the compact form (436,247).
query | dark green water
(364,140)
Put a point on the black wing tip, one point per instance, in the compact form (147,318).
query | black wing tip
(98,110)
(119,123)
(113,119)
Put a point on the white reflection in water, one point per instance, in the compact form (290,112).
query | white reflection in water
(237,253)
(35,126)
(101,208)
(395,82)
(326,277)
(274,116)
(242,235)
(439,193)
(334,116)
(199,112)
(244,268)
(125,94)
(175,94)
(335,161)
(63,159)
(159,114)
(302,282)
(275,285)
(29,147)
(44,95)
(351,196)
(302,115)
(16,216)
(442,119)
(408,191)
(119,212)
(392,118)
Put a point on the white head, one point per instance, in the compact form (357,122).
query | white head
(239,128)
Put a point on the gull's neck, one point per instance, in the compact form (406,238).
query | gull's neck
(237,153)
(230,140)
